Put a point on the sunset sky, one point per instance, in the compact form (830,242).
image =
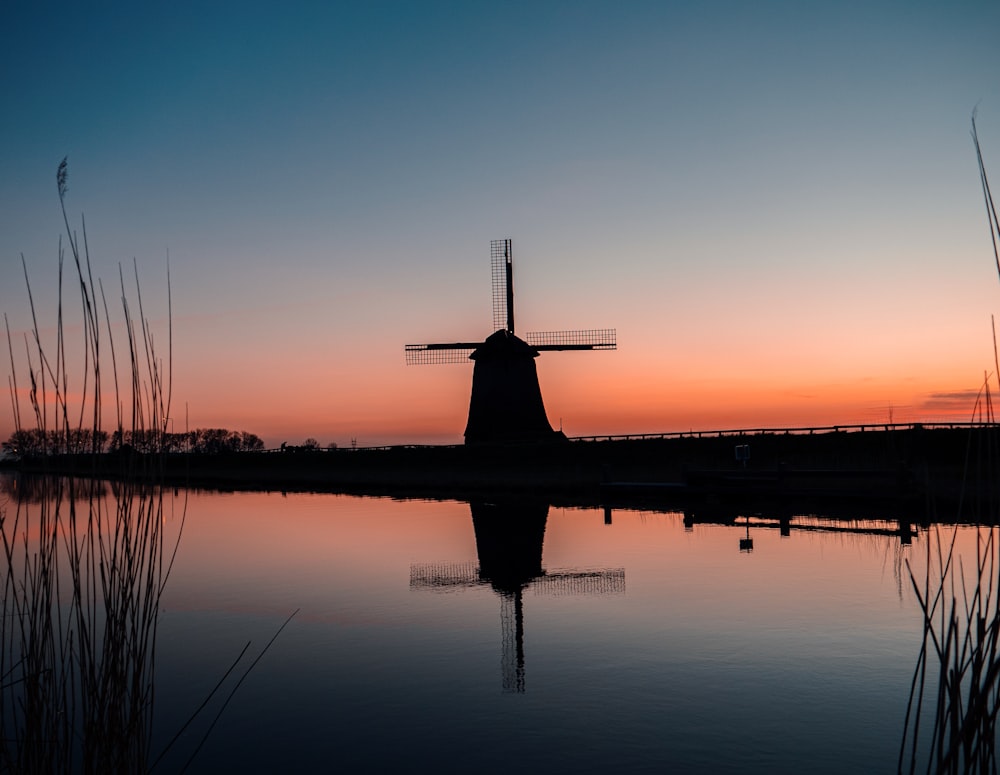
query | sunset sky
(776,204)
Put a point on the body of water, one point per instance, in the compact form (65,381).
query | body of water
(504,636)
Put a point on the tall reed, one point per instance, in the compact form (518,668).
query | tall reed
(85,565)
(955,689)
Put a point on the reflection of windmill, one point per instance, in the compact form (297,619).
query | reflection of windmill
(506,403)
(509,541)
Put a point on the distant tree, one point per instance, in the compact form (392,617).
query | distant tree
(310,444)
(215,440)
(173,442)
(34,442)
(143,439)
(210,441)
(83,440)
(25,443)
(332,445)
(250,442)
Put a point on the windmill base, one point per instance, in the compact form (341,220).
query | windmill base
(506,404)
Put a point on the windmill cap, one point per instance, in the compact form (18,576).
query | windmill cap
(503,344)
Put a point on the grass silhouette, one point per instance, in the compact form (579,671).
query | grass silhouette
(86,561)
(955,692)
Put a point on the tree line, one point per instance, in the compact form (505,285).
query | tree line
(35,442)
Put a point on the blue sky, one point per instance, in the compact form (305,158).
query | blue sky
(766,199)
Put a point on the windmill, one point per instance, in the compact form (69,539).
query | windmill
(506,402)
(509,539)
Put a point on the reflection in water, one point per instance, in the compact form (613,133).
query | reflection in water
(746,544)
(795,657)
(86,565)
(955,694)
(785,521)
(509,540)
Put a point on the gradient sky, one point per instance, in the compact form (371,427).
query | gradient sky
(777,204)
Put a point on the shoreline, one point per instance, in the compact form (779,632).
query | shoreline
(928,468)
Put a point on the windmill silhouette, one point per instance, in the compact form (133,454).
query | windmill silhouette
(506,402)
(509,540)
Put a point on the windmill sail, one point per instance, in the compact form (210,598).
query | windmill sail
(561,582)
(502,265)
(457,352)
(584,339)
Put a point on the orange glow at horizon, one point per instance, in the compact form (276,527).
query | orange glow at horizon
(429,404)
(721,375)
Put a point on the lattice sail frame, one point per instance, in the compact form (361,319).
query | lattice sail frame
(583,339)
(419,354)
(442,577)
(502,268)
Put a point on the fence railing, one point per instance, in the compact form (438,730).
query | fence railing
(779,431)
(692,434)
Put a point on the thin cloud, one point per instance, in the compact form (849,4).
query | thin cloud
(951,402)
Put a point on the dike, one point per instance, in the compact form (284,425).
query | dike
(901,465)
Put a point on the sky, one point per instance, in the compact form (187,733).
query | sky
(776,204)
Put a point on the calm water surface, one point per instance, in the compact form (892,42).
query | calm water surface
(636,646)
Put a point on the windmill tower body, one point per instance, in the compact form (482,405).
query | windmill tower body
(506,403)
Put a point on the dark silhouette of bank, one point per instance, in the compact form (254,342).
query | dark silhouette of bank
(506,404)
(913,468)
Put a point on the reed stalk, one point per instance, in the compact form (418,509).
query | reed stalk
(85,564)
(955,691)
